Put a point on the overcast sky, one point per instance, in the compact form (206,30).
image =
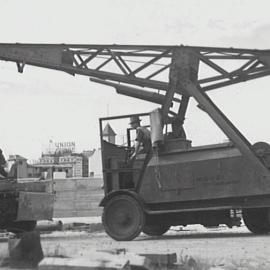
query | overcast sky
(40,105)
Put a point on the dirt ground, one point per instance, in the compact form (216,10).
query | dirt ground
(209,243)
(217,246)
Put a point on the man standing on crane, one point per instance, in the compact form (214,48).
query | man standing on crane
(143,137)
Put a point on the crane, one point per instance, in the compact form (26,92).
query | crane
(166,75)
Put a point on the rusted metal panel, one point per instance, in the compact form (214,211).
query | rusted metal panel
(35,206)
(173,177)
(204,174)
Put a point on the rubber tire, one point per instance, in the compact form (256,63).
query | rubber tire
(123,218)
(156,229)
(257,220)
(22,226)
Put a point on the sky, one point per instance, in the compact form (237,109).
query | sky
(42,105)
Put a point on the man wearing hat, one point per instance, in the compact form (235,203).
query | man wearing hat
(143,137)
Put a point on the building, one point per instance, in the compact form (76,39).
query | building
(75,161)
(18,166)
(61,160)
(48,171)
(95,160)
(109,134)
(85,162)
(95,163)
(72,164)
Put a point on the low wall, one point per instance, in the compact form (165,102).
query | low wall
(78,197)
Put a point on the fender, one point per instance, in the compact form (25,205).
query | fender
(112,194)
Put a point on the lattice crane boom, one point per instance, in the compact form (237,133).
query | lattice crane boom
(165,72)
(141,65)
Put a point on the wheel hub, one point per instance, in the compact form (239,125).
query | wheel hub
(123,217)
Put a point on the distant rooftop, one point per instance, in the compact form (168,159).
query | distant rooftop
(52,165)
(89,153)
(16,158)
(108,131)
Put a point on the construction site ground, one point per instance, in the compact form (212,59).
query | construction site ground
(219,246)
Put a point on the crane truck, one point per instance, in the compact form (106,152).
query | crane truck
(175,183)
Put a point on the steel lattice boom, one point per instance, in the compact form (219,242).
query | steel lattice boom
(145,66)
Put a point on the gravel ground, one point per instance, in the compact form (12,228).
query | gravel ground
(210,243)
(216,246)
(220,246)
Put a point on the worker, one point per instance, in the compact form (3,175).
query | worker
(143,137)
(3,163)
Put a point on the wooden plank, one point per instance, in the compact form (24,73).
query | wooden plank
(136,261)
(108,262)
(96,261)
(161,259)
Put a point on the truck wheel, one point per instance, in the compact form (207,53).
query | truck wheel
(257,220)
(22,226)
(156,229)
(123,218)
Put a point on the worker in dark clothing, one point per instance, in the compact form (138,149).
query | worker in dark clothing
(2,165)
(143,137)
